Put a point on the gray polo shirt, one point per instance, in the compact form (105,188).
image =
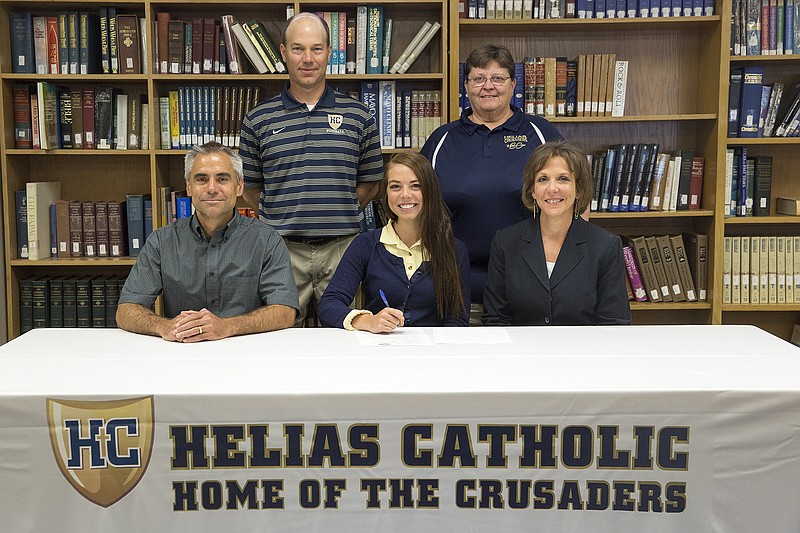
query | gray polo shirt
(245,265)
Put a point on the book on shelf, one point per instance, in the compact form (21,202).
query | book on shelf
(670,262)
(22,50)
(634,276)
(117,217)
(763,186)
(620,88)
(744,270)
(113,40)
(101,228)
(23,129)
(62,229)
(646,268)
(64,110)
(658,267)
(76,242)
(21,219)
(135,222)
(786,205)
(76,111)
(750,101)
(249,48)
(39,197)
(129,54)
(40,297)
(696,247)
(375,22)
(267,43)
(419,48)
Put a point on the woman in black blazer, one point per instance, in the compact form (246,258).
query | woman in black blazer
(556,268)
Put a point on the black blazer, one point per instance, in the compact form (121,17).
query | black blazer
(587,286)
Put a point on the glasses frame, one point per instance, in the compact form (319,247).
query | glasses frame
(491,78)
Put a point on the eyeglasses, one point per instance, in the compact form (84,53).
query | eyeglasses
(497,80)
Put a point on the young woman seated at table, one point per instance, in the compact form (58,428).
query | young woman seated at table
(556,268)
(412,271)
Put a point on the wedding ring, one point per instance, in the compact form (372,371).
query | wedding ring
(201,329)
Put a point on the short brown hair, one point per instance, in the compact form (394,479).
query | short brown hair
(577,163)
(483,55)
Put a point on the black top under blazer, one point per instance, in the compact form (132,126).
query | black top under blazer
(587,286)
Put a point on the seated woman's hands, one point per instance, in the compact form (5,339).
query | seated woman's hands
(385,321)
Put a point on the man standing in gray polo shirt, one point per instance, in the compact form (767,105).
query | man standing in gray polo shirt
(221,274)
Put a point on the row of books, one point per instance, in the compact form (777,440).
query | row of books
(591,85)
(637,177)
(50,116)
(758,109)
(748,183)
(363,44)
(78,43)
(761,270)
(197,114)
(405,118)
(69,302)
(48,226)
(763,27)
(667,268)
(207,45)
(559,9)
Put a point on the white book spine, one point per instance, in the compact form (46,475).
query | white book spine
(361,40)
(419,48)
(411,46)
(620,85)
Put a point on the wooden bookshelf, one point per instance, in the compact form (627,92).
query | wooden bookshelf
(785,153)
(677,74)
(94,175)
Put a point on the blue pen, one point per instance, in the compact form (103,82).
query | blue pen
(383,297)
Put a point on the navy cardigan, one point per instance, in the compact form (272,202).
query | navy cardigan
(366,262)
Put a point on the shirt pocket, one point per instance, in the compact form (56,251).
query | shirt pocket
(240,295)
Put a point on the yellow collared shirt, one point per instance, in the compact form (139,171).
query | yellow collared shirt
(412,257)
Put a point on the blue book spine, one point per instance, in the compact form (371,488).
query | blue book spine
(135,214)
(21,29)
(622,6)
(399,131)
(788,35)
(182,117)
(183,207)
(598,10)
(677,6)
(644,8)
(333,67)
(750,101)
(148,217)
(194,97)
(519,91)
(608,178)
(688,8)
(53,234)
(655,8)
(386,123)
(369,97)
(708,7)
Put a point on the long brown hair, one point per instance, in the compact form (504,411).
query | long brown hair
(437,233)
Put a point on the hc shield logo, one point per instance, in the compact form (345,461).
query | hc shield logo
(103,447)
(334,121)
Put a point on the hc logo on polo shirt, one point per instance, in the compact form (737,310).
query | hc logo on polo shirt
(515,142)
(102,447)
(334,121)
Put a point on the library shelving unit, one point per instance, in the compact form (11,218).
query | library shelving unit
(94,175)
(677,74)
(785,152)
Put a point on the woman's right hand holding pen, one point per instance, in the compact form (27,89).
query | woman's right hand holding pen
(385,321)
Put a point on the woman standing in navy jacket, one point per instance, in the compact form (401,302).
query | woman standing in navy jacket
(555,268)
(412,271)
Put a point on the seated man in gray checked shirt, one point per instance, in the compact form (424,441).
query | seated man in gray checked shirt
(221,274)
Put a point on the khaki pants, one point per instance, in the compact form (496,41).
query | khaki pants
(313,267)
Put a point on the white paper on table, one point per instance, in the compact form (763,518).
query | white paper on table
(399,337)
(484,335)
